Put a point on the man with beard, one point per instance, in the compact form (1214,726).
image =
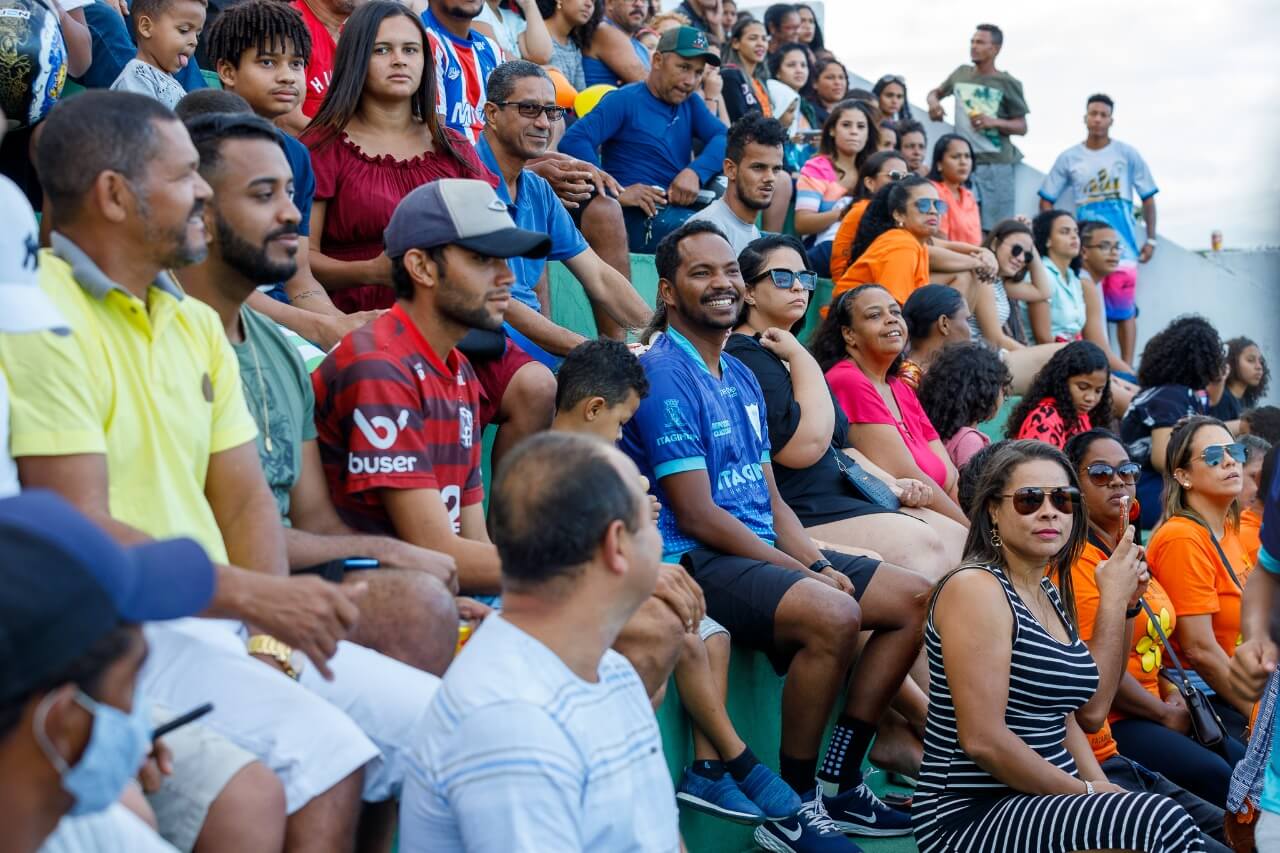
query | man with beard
(397,405)
(138,419)
(510,140)
(407,613)
(753,165)
(645,133)
(702,439)
(615,56)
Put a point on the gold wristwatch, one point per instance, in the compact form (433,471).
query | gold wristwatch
(281,653)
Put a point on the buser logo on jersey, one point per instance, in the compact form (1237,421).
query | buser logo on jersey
(360,464)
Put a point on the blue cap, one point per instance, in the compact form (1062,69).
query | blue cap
(65,584)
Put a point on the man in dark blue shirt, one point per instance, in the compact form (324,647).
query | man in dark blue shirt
(645,133)
(701,438)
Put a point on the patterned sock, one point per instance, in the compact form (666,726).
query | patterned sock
(842,765)
(707,769)
(798,773)
(739,768)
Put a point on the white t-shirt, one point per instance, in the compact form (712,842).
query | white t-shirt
(137,76)
(114,830)
(519,754)
(739,233)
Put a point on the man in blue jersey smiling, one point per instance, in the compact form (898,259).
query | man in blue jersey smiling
(701,438)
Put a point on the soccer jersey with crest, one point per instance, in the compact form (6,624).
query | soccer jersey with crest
(462,67)
(390,414)
(692,421)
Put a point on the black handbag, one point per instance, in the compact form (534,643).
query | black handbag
(1206,725)
(864,483)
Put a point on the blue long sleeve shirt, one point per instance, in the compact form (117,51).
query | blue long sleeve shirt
(643,140)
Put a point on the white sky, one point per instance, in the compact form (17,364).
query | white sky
(1195,84)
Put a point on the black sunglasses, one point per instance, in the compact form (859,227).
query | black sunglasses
(783,279)
(1214,453)
(1029,499)
(528,110)
(1100,473)
(1017,250)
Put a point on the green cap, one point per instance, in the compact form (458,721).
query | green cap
(688,42)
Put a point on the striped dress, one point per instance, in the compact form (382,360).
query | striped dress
(961,808)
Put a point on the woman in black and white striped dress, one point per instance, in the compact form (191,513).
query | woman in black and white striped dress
(1006,768)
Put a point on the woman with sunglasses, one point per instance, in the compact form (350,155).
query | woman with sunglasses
(1177,364)
(1021,277)
(1143,724)
(1197,556)
(861,347)
(806,426)
(877,171)
(895,246)
(376,137)
(1006,765)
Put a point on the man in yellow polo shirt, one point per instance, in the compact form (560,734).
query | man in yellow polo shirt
(137,417)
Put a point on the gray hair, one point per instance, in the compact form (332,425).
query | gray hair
(502,80)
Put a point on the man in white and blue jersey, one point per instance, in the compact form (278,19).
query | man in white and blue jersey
(541,737)
(701,438)
(464,58)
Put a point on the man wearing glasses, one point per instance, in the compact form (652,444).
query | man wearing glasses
(1103,175)
(519,118)
(753,165)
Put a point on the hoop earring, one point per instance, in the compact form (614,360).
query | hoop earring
(996,541)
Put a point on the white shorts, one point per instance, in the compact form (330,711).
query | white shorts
(311,736)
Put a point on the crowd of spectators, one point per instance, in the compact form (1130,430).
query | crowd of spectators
(291,439)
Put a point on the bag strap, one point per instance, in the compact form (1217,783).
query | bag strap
(1221,554)
(1164,641)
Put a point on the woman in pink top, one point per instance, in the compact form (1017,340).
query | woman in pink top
(860,347)
(952,166)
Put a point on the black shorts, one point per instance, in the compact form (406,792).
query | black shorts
(743,594)
(575,213)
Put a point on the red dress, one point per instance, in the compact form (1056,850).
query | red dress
(363,191)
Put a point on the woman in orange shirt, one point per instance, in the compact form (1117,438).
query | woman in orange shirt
(952,165)
(879,170)
(1146,726)
(1197,556)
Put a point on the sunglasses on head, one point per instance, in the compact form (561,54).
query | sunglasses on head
(783,279)
(1029,499)
(1100,473)
(896,176)
(924,205)
(1214,453)
(528,110)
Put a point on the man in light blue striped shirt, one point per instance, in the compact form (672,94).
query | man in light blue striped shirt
(541,738)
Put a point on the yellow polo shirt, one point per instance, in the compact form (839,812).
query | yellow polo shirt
(154,386)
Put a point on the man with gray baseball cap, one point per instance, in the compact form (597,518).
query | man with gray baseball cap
(397,404)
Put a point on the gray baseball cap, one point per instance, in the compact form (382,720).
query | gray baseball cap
(463,212)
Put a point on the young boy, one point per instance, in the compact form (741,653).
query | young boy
(598,389)
(166,32)
(260,50)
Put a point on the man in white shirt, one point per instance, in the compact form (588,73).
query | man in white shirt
(753,165)
(541,737)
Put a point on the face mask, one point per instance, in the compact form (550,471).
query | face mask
(117,744)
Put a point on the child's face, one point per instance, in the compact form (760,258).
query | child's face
(1086,389)
(607,421)
(170,37)
(271,82)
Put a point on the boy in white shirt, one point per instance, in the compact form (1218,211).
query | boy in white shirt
(166,32)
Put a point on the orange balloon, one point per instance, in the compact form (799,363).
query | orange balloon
(565,93)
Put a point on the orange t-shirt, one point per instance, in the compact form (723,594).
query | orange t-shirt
(962,222)
(1250,539)
(845,235)
(895,259)
(1183,559)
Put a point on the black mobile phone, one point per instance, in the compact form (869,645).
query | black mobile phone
(178,722)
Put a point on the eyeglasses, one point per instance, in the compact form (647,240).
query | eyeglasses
(1214,453)
(1017,250)
(528,110)
(783,279)
(924,205)
(896,176)
(1105,247)
(1029,499)
(1100,473)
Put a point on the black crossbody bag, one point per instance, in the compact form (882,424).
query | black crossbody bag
(864,483)
(1206,725)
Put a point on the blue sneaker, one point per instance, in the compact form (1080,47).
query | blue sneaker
(861,812)
(719,797)
(809,830)
(773,796)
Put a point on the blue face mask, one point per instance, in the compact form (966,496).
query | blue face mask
(118,743)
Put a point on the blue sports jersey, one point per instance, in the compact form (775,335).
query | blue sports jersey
(462,71)
(692,421)
(1103,184)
